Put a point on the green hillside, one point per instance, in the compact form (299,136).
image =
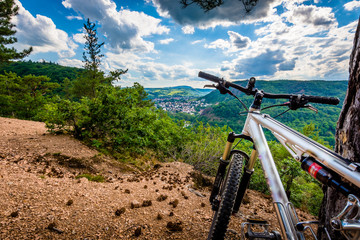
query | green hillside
(55,72)
(180,91)
(225,109)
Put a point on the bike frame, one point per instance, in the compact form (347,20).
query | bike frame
(298,146)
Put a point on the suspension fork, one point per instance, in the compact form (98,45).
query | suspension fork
(224,162)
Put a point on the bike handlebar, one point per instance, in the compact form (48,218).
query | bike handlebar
(307,98)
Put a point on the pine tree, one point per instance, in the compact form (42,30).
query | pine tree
(87,83)
(92,56)
(8,9)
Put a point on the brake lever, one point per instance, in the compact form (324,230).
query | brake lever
(210,86)
(310,107)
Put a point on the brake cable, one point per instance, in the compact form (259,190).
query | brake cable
(242,103)
(224,90)
(282,113)
(276,105)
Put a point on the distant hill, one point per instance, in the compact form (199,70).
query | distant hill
(179,91)
(55,72)
(225,109)
(312,87)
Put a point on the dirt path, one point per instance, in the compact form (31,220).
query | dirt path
(41,198)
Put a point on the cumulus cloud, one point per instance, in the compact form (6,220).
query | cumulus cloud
(144,70)
(166,41)
(220,43)
(124,29)
(230,13)
(79,37)
(350,6)
(288,65)
(289,48)
(265,64)
(238,41)
(41,33)
(188,29)
(235,43)
(316,16)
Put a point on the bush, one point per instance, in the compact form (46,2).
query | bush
(119,121)
(97,178)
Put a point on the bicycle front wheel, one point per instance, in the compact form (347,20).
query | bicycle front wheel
(227,197)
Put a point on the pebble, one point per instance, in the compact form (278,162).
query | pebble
(134,204)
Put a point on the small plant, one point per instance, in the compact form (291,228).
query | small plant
(97,178)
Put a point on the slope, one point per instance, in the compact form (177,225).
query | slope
(42,197)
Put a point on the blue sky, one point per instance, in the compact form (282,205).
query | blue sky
(163,44)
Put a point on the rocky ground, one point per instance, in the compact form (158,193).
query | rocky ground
(42,197)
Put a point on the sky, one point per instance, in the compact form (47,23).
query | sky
(163,44)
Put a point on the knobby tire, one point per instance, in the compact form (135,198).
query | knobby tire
(222,216)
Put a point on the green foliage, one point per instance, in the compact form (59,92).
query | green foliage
(23,97)
(206,5)
(92,53)
(55,72)
(205,148)
(8,10)
(97,178)
(119,121)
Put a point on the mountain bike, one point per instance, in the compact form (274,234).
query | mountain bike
(236,167)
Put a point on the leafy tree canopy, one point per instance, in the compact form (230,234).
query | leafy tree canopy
(208,5)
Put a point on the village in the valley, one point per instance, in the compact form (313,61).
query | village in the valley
(181,104)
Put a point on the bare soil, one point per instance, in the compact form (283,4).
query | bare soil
(42,198)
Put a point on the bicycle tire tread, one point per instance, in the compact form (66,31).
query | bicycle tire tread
(222,216)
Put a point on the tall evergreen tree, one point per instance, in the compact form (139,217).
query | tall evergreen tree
(87,83)
(92,56)
(8,9)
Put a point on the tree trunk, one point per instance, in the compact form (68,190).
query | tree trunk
(347,138)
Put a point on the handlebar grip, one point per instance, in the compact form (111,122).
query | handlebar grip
(324,100)
(210,77)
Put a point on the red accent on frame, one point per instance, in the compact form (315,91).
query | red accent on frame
(314,169)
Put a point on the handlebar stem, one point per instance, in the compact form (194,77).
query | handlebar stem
(259,95)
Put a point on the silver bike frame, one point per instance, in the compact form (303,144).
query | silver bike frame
(298,146)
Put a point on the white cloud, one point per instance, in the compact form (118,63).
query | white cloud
(146,70)
(235,43)
(197,41)
(188,29)
(124,29)
(320,17)
(166,41)
(79,37)
(238,41)
(220,43)
(41,33)
(352,5)
(74,17)
(290,48)
(71,62)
